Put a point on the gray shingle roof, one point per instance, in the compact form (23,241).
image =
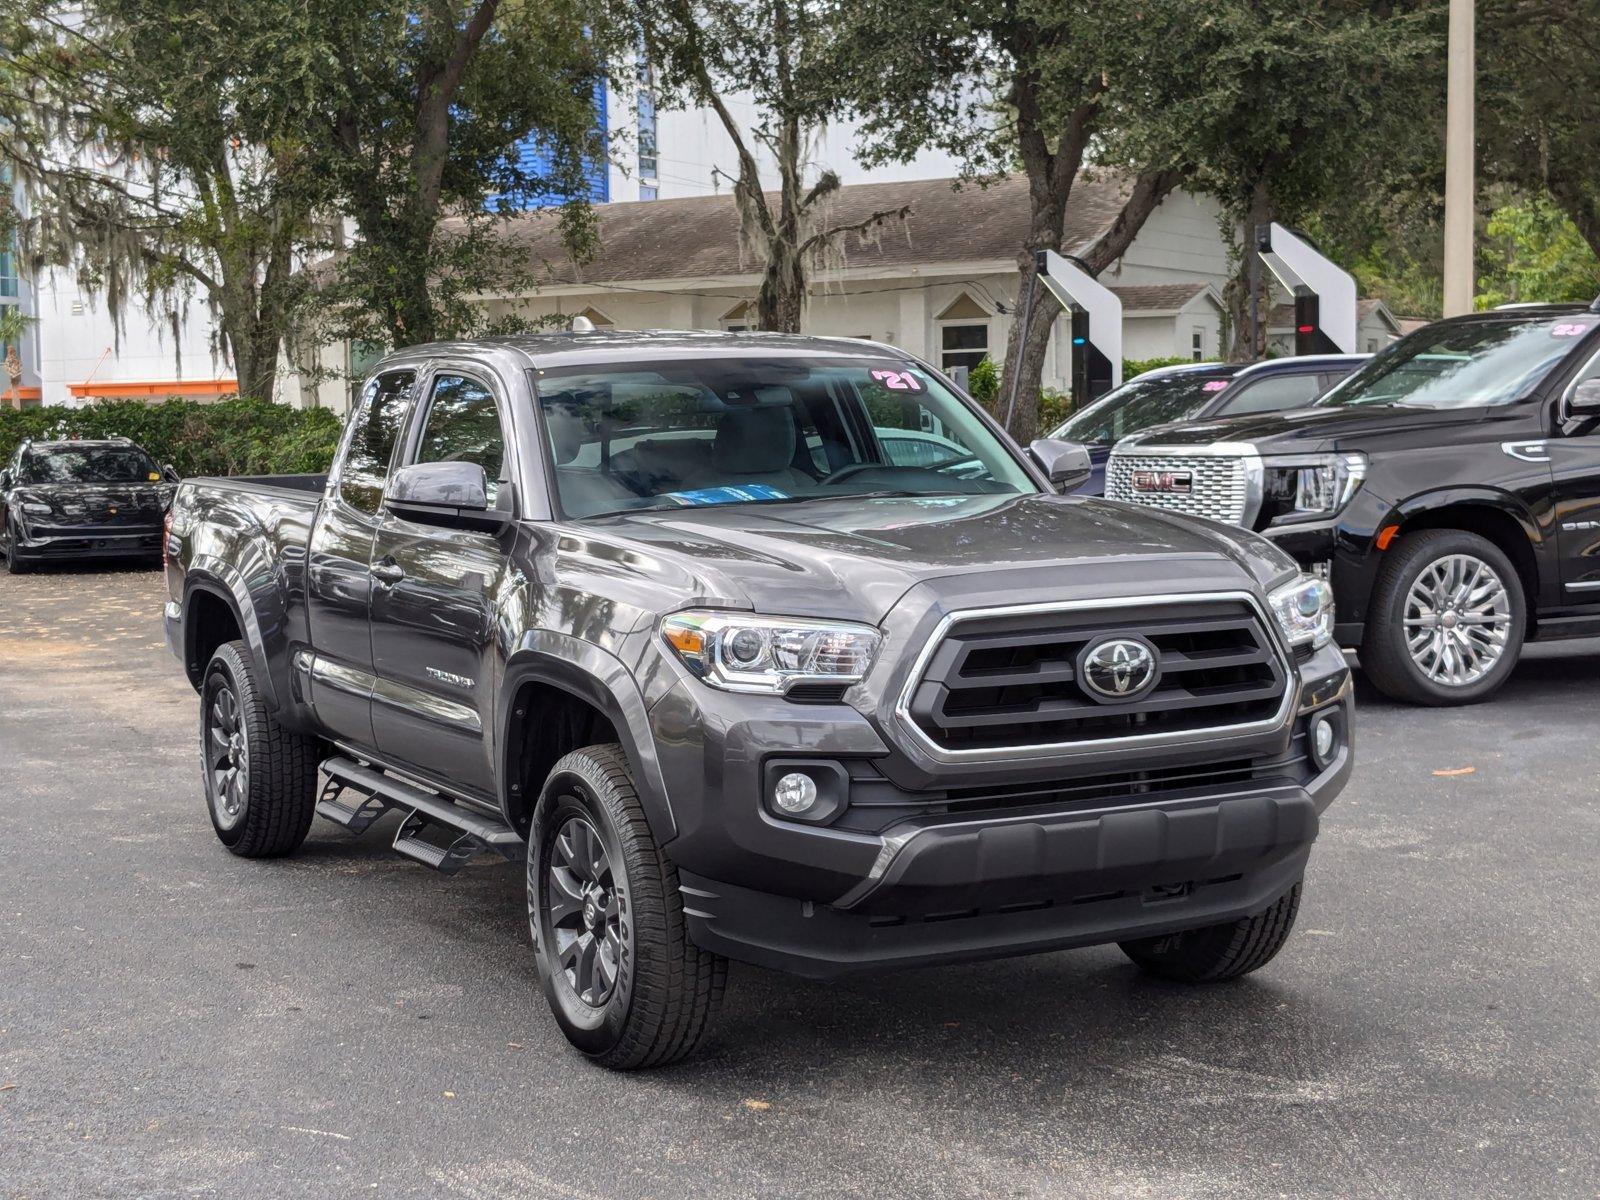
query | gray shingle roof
(1157,297)
(697,236)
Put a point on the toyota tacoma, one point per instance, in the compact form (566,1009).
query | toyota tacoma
(658,615)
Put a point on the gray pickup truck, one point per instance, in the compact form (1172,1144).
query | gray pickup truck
(670,618)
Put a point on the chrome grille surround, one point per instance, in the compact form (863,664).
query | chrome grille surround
(1269,626)
(1226,479)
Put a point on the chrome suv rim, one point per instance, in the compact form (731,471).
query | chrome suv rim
(584,897)
(227,757)
(1457,619)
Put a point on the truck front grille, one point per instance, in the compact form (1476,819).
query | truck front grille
(1009,679)
(1201,485)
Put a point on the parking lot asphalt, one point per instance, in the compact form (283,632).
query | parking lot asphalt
(178,1022)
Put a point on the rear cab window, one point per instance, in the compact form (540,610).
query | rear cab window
(374,428)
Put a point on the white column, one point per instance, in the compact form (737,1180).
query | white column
(1459,150)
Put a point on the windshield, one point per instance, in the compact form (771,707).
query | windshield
(1141,403)
(751,431)
(89,464)
(1473,364)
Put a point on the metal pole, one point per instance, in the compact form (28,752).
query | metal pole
(1022,345)
(1255,301)
(1459,150)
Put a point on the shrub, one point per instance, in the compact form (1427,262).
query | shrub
(229,437)
(1138,366)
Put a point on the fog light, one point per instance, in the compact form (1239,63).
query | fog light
(795,793)
(1324,740)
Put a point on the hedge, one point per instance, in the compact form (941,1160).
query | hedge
(228,437)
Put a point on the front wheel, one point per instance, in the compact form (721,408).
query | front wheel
(260,778)
(1447,620)
(625,983)
(15,563)
(1217,952)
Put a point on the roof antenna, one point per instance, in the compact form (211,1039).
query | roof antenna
(582,324)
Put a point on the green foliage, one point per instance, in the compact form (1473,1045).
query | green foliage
(1533,252)
(1138,366)
(1054,408)
(230,437)
(983,381)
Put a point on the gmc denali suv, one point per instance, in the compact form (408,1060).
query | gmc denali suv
(1449,489)
(660,615)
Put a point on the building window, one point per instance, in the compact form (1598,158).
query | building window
(1197,344)
(647,131)
(8,273)
(963,334)
(741,318)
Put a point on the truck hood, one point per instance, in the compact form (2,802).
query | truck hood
(1306,430)
(856,557)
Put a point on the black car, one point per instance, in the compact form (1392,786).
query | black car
(1450,488)
(82,499)
(1198,390)
(662,615)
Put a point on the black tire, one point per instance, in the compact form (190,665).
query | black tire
(15,563)
(266,812)
(663,991)
(1385,655)
(1214,953)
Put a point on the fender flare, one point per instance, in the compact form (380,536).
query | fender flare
(597,677)
(1506,504)
(214,577)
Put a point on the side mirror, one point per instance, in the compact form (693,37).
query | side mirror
(452,494)
(1584,400)
(170,473)
(5,480)
(1065,464)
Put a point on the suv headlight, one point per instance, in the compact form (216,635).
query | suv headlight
(741,653)
(1305,610)
(1308,487)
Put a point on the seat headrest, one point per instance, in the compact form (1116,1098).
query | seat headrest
(566,434)
(754,441)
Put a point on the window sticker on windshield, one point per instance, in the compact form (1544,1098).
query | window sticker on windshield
(1216,385)
(898,381)
(1568,330)
(728,495)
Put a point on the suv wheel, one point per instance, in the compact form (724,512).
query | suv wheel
(1447,620)
(260,779)
(624,981)
(1217,952)
(15,563)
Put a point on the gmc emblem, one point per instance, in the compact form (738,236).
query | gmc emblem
(1172,482)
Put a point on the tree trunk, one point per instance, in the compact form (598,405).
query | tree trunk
(1250,344)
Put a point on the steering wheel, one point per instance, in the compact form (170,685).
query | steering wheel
(850,472)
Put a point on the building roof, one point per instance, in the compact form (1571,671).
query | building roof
(1148,299)
(698,236)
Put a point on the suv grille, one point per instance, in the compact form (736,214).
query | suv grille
(1217,486)
(1010,679)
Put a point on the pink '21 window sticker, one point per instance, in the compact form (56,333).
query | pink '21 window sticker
(898,381)
(1216,385)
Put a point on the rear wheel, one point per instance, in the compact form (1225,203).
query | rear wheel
(1217,952)
(260,778)
(625,983)
(1447,620)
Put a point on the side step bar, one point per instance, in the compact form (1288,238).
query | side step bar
(469,833)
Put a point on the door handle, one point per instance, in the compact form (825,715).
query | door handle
(388,572)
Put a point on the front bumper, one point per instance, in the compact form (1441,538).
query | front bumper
(1039,870)
(90,541)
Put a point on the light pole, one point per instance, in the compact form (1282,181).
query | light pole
(1459,151)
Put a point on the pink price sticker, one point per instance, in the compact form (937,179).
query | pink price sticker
(1569,330)
(898,381)
(1216,385)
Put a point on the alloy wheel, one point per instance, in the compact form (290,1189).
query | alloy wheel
(227,756)
(584,899)
(1457,619)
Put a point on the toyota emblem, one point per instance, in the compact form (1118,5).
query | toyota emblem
(1117,669)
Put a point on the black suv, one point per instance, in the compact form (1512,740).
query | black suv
(1450,489)
(1198,391)
(662,614)
(82,499)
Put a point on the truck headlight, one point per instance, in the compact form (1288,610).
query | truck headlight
(35,509)
(738,652)
(1307,487)
(1305,610)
